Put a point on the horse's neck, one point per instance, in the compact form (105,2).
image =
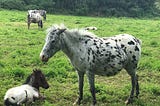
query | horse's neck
(32,83)
(69,44)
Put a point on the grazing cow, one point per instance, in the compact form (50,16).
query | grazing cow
(28,92)
(94,55)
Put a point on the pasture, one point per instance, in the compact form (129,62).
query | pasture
(20,48)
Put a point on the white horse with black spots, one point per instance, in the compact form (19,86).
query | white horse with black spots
(34,18)
(94,55)
(41,12)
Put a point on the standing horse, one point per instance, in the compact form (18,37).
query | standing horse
(41,12)
(93,55)
(28,92)
(34,18)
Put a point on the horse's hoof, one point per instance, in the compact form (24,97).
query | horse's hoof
(128,101)
(94,102)
(77,102)
(136,97)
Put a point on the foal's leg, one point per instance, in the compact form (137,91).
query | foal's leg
(80,82)
(90,76)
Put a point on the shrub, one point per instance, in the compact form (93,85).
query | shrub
(12,4)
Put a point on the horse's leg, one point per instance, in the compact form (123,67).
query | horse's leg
(137,86)
(28,24)
(38,24)
(28,20)
(133,82)
(80,82)
(41,24)
(90,76)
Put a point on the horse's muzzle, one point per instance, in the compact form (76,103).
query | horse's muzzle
(46,87)
(44,58)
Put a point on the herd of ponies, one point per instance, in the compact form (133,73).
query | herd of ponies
(88,53)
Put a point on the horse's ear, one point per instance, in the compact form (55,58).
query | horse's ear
(61,31)
(34,70)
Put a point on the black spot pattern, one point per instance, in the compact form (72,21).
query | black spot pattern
(131,43)
(136,48)
(87,41)
(89,36)
(13,98)
(89,51)
(122,45)
(88,58)
(134,58)
(107,44)
(98,52)
(94,43)
(125,50)
(113,56)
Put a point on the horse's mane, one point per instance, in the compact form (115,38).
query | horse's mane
(81,32)
(55,27)
(28,79)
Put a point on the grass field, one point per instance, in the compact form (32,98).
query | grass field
(19,55)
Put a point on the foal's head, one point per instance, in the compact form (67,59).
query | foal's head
(37,79)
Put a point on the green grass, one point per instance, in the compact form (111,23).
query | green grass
(20,48)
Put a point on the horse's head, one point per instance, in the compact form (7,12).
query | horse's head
(39,79)
(52,44)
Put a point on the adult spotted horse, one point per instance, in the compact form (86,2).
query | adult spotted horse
(34,17)
(41,12)
(94,55)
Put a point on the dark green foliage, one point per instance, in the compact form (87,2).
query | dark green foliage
(118,8)
(12,4)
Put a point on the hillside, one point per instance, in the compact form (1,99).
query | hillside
(20,48)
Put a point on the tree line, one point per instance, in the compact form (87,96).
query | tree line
(118,8)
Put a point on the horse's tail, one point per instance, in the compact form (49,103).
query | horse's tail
(138,41)
(90,28)
(40,24)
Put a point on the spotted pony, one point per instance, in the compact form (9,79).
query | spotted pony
(93,55)
(34,18)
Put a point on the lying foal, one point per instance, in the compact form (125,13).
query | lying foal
(28,92)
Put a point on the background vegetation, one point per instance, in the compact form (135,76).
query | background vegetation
(19,55)
(118,8)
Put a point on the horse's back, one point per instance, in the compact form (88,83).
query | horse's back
(35,16)
(19,93)
(132,48)
(130,44)
(111,54)
(14,94)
